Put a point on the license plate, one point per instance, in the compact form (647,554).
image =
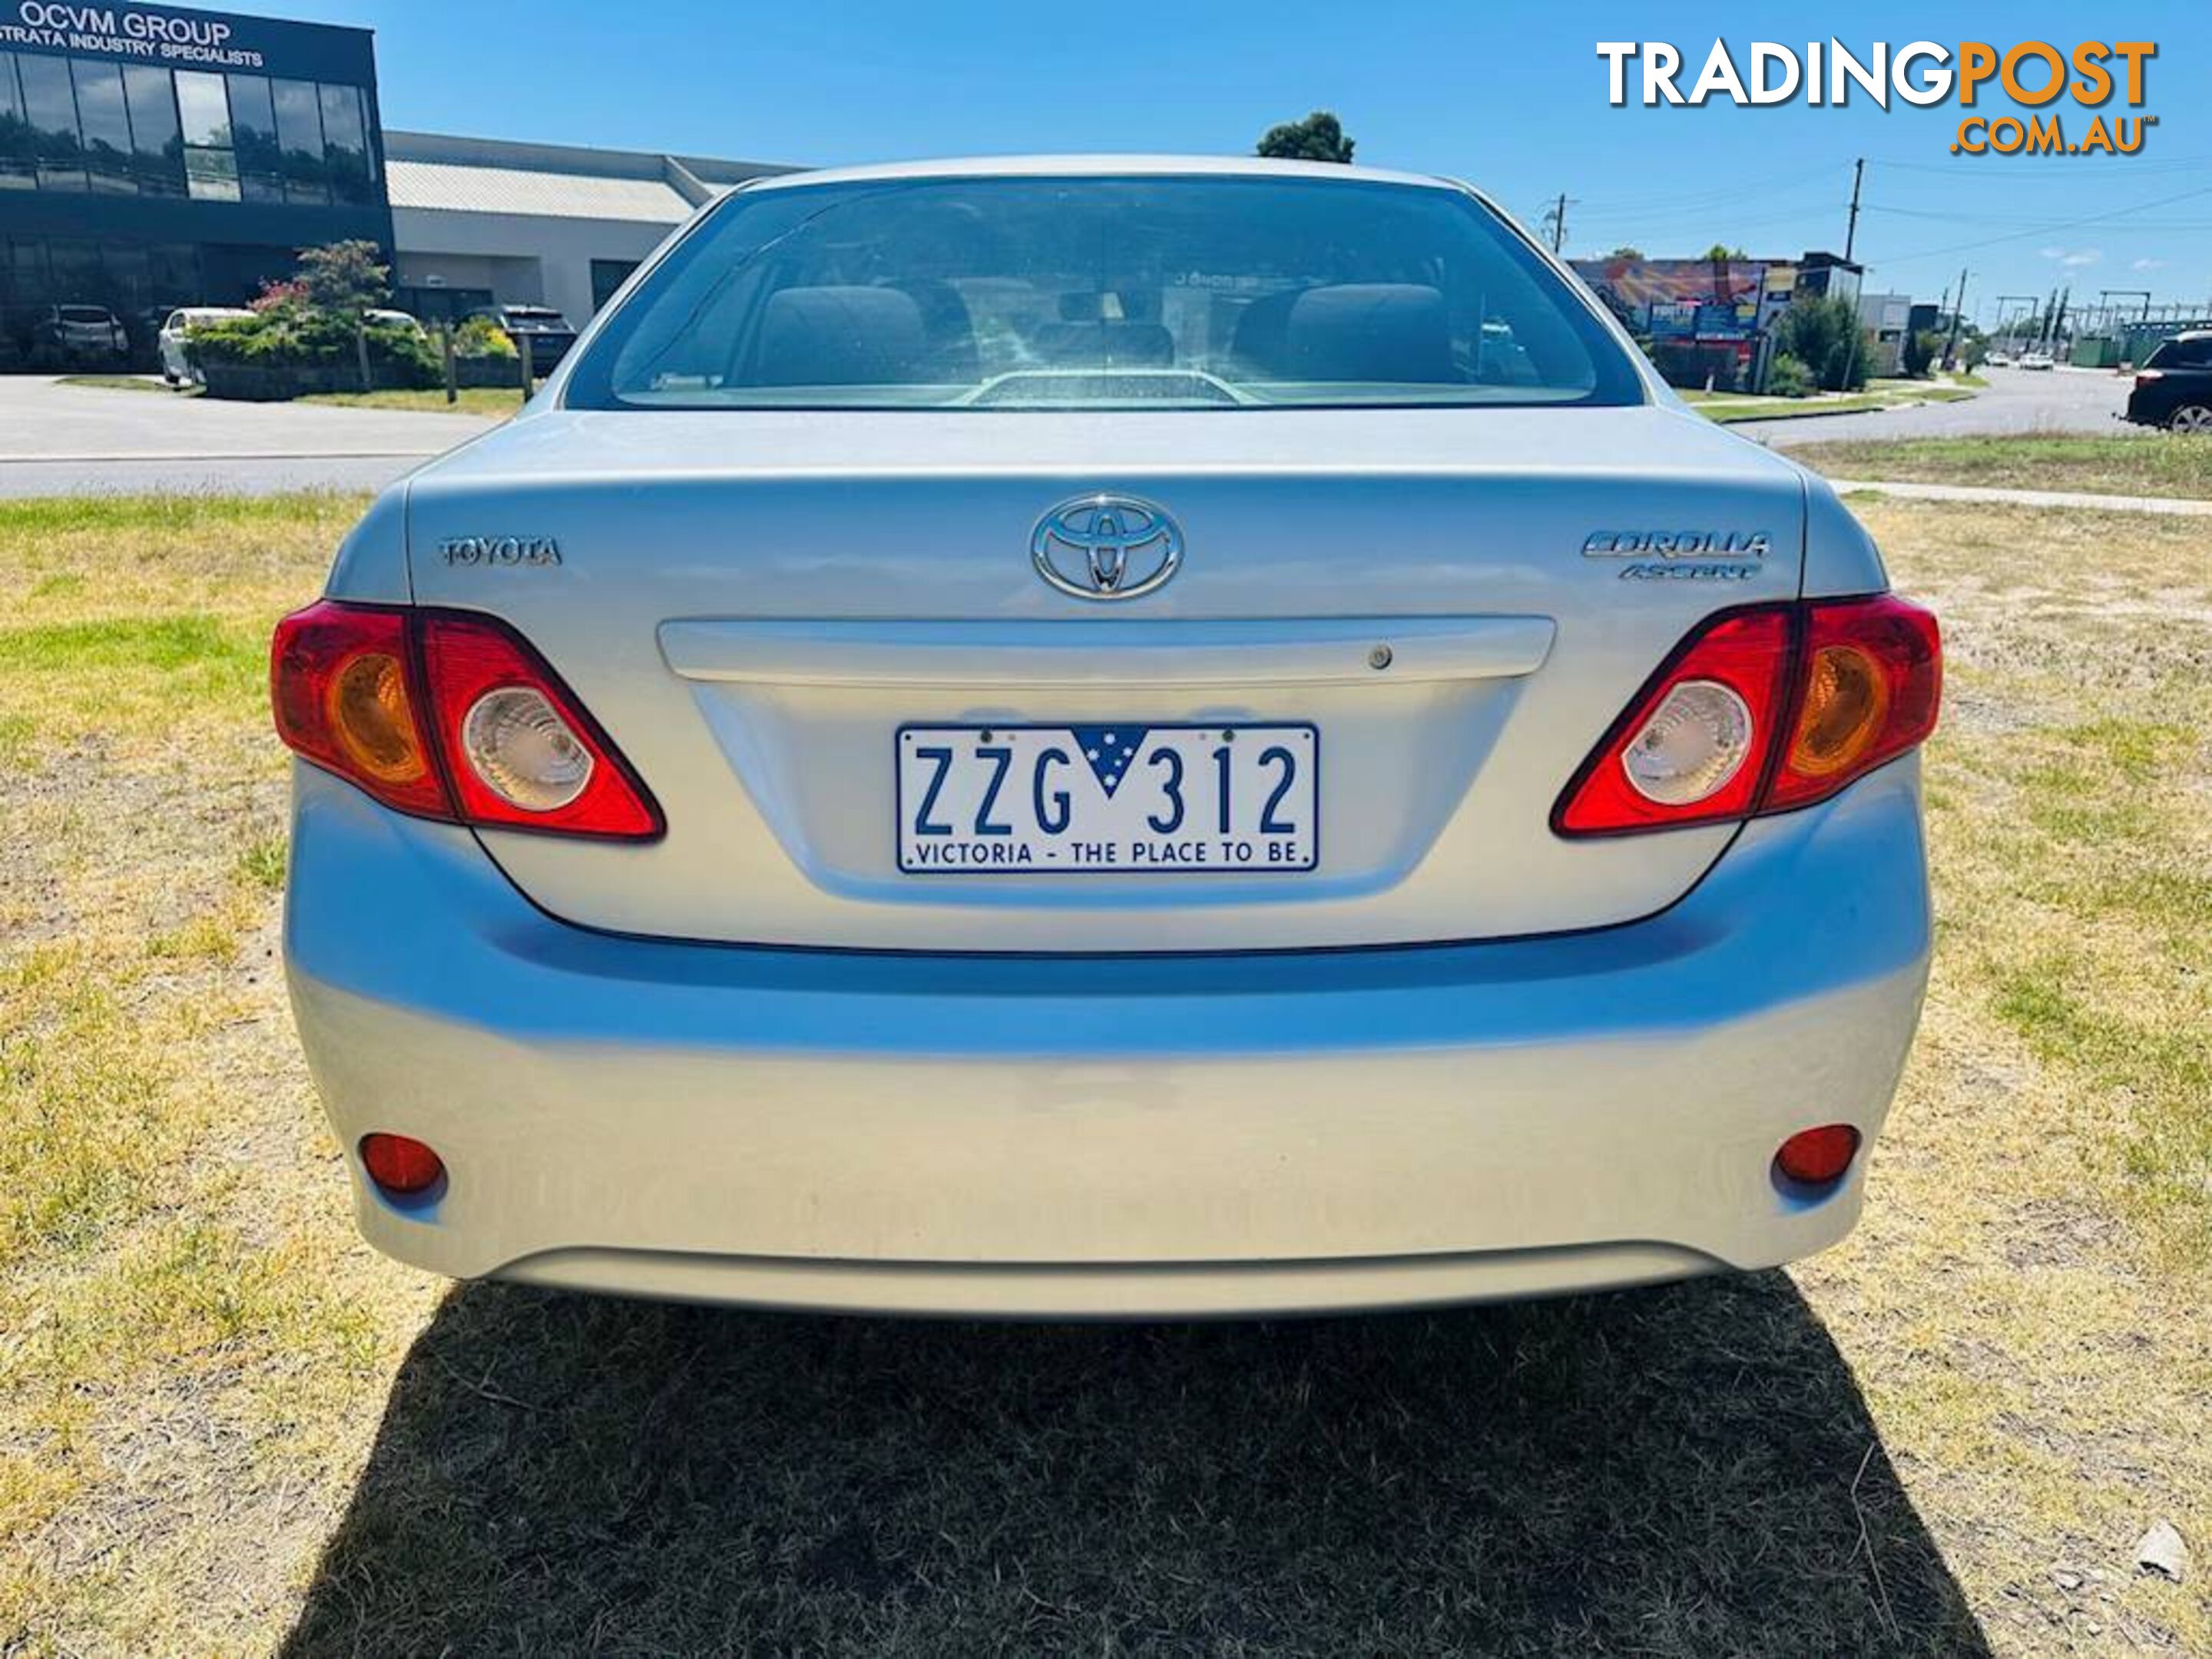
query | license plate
(1107,799)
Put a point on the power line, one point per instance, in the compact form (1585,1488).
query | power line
(2132,166)
(1719,194)
(2046,230)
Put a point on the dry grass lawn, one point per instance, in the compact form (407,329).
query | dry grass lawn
(2129,463)
(226,1426)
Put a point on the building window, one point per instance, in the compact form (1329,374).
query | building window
(211,169)
(105,125)
(300,134)
(156,145)
(253,132)
(50,105)
(81,123)
(19,147)
(607,276)
(345,145)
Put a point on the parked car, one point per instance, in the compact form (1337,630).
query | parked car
(2173,388)
(177,365)
(1998,359)
(1065,744)
(541,331)
(79,334)
(398,320)
(2037,360)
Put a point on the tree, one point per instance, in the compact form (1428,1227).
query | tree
(1319,137)
(1824,335)
(1625,251)
(345,282)
(1921,347)
(1720,251)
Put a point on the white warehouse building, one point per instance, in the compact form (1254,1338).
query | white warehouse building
(480,220)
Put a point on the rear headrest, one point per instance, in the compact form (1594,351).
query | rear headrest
(1368,331)
(840,336)
(1262,335)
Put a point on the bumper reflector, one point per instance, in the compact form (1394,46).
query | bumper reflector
(1818,1157)
(401,1167)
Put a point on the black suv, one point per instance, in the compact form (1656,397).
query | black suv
(541,331)
(2173,388)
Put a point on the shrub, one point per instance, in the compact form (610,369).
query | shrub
(1787,377)
(287,336)
(1824,336)
(480,337)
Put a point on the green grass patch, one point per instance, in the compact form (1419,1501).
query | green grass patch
(2171,464)
(496,403)
(123,383)
(161,643)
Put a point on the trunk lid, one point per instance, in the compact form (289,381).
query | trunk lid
(755,604)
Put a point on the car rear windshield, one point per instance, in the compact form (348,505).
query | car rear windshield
(1100,292)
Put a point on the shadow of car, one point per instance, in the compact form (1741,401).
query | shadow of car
(1688,1471)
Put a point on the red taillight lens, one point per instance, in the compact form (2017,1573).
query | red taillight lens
(449,716)
(343,681)
(1762,710)
(1814,1157)
(1872,678)
(401,1166)
(1691,746)
(522,752)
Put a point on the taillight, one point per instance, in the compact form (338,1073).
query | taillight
(1871,678)
(1690,749)
(451,716)
(1759,710)
(348,696)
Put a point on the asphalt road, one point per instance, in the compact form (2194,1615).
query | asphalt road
(2047,400)
(58,439)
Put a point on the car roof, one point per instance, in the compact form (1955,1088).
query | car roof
(1100,166)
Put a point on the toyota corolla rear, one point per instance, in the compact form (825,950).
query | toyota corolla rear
(1128,738)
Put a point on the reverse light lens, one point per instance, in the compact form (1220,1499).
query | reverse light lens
(1816,1157)
(517,743)
(1694,742)
(401,1166)
(523,752)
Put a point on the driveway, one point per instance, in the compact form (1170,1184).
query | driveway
(58,439)
(2055,400)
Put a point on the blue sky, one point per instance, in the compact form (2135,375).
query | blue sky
(1514,99)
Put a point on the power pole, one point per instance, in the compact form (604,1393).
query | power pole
(1951,346)
(1556,221)
(1852,232)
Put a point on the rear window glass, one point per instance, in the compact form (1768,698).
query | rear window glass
(1090,293)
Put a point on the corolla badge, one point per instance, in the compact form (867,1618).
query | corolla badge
(1106,547)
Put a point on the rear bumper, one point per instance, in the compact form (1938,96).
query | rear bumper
(1108,1135)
